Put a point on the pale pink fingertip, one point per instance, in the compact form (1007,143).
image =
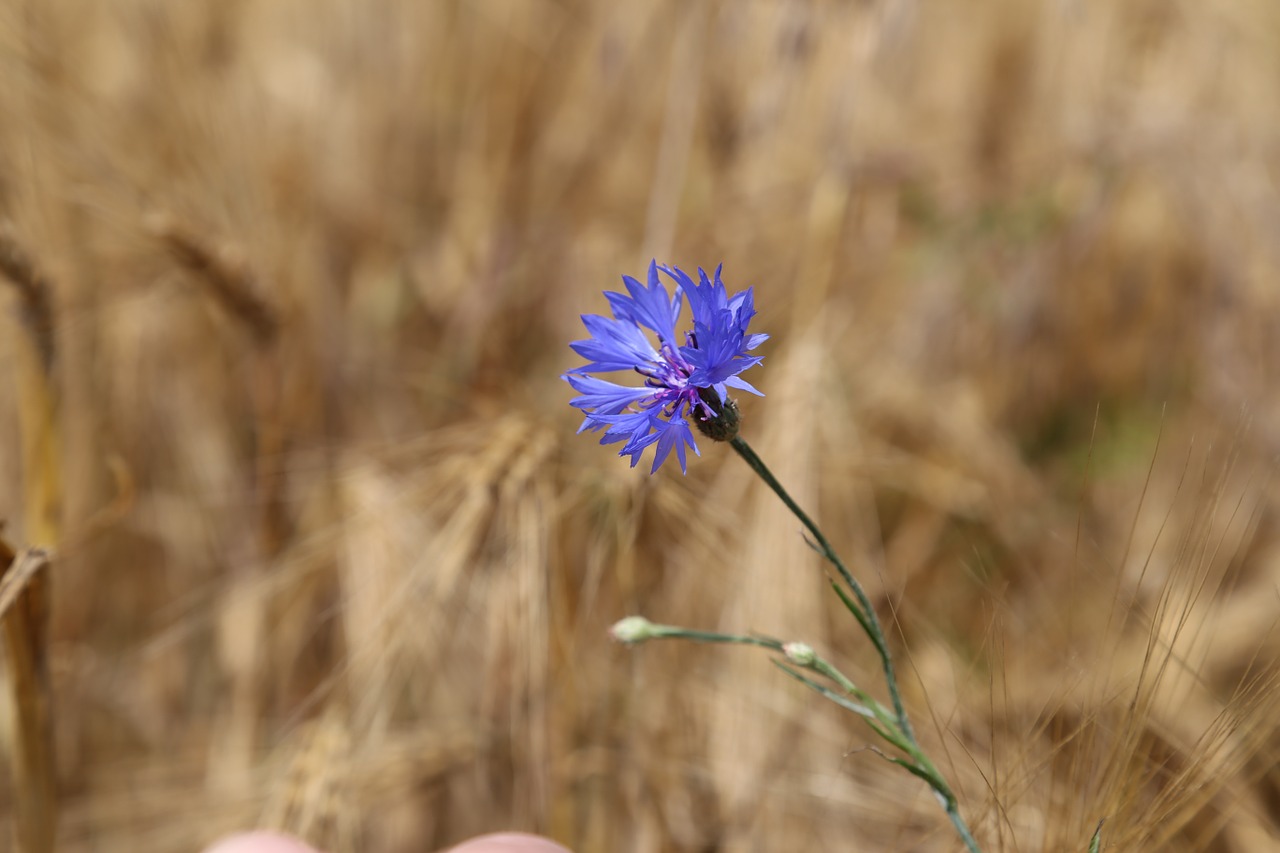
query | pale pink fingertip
(260,842)
(509,842)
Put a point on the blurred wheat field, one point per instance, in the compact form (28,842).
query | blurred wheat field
(282,391)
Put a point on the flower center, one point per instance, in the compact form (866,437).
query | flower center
(670,371)
(669,376)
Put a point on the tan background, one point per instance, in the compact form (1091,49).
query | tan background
(333,559)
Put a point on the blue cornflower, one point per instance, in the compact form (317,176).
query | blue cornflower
(681,382)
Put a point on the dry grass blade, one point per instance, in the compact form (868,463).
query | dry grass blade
(24,624)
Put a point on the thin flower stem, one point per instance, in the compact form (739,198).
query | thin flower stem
(663,632)
(962,829)
(872,623)
(920,765)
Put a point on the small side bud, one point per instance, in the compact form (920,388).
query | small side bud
(801,654)
(632,630)
(724,426)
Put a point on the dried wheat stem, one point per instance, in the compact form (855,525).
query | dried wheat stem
(24,615)
(24,590)
(21,571)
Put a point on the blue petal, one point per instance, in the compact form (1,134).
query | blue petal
(705,299)
(718,355)
(633,427)
(684,285)
(651,306)
(743,307)
(673,433)
(742,384)
(603,397)
(613,345)
(623,306)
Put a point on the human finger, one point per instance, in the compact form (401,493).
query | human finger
(508,842)
(260,842)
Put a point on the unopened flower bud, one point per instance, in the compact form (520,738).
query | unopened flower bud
(800,654)
(632,630)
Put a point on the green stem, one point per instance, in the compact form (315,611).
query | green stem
(872,623)
(674,632)
(920,764)
(962,829)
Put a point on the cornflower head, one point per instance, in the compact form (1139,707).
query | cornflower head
(682,382)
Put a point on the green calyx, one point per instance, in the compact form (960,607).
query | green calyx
(724,425)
